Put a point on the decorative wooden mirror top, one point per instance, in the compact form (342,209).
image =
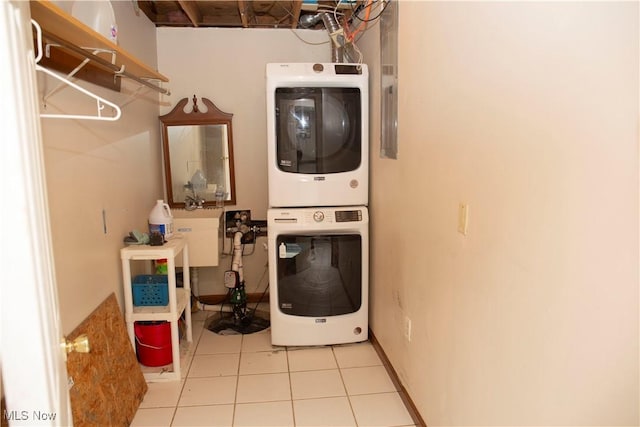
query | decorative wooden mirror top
(198,156)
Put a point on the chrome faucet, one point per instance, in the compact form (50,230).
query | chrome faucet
(193,203)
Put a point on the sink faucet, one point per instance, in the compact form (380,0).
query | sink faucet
(192,203)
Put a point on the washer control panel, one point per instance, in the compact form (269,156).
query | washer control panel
(349,216)
(319,216)
(333,215)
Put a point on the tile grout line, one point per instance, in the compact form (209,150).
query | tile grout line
(194,343)
(353,412)
(293,412)
(235,396)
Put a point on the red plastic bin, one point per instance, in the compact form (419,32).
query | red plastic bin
(153,343)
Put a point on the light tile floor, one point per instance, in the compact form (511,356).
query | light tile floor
(241,380)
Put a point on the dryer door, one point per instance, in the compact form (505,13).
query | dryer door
(318,130)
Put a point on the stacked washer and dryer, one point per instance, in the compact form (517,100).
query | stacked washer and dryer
(318,243)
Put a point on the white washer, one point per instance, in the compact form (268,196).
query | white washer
(318,275)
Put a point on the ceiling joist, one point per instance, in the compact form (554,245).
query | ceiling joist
(221,13)
(192,11)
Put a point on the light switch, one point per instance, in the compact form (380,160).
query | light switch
(463,218)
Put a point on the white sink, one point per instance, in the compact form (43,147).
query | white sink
(203,230)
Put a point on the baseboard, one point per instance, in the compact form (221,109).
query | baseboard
(406,399)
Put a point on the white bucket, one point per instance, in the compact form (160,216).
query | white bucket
(161,220)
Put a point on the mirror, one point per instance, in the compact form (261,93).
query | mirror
(198,156)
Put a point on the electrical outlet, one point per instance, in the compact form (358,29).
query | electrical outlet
(407,328)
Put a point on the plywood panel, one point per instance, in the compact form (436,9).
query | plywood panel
(108,382)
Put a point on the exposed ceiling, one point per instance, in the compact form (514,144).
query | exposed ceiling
(240,13)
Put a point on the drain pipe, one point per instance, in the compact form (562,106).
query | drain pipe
(226,308)
(236,263)
(237,267)
(194,278)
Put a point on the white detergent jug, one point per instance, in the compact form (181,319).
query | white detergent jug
(161,220)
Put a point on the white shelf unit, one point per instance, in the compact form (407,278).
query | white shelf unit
(179,299)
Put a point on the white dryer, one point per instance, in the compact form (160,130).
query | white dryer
(318,134)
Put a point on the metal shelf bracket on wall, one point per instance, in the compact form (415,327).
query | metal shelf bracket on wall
(117,71)
(77,50)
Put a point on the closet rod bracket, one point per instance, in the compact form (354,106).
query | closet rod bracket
(100,102)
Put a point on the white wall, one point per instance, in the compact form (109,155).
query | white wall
(227,66)
(528,112)
(95,166)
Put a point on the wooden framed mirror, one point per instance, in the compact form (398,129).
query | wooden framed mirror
(198,156)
